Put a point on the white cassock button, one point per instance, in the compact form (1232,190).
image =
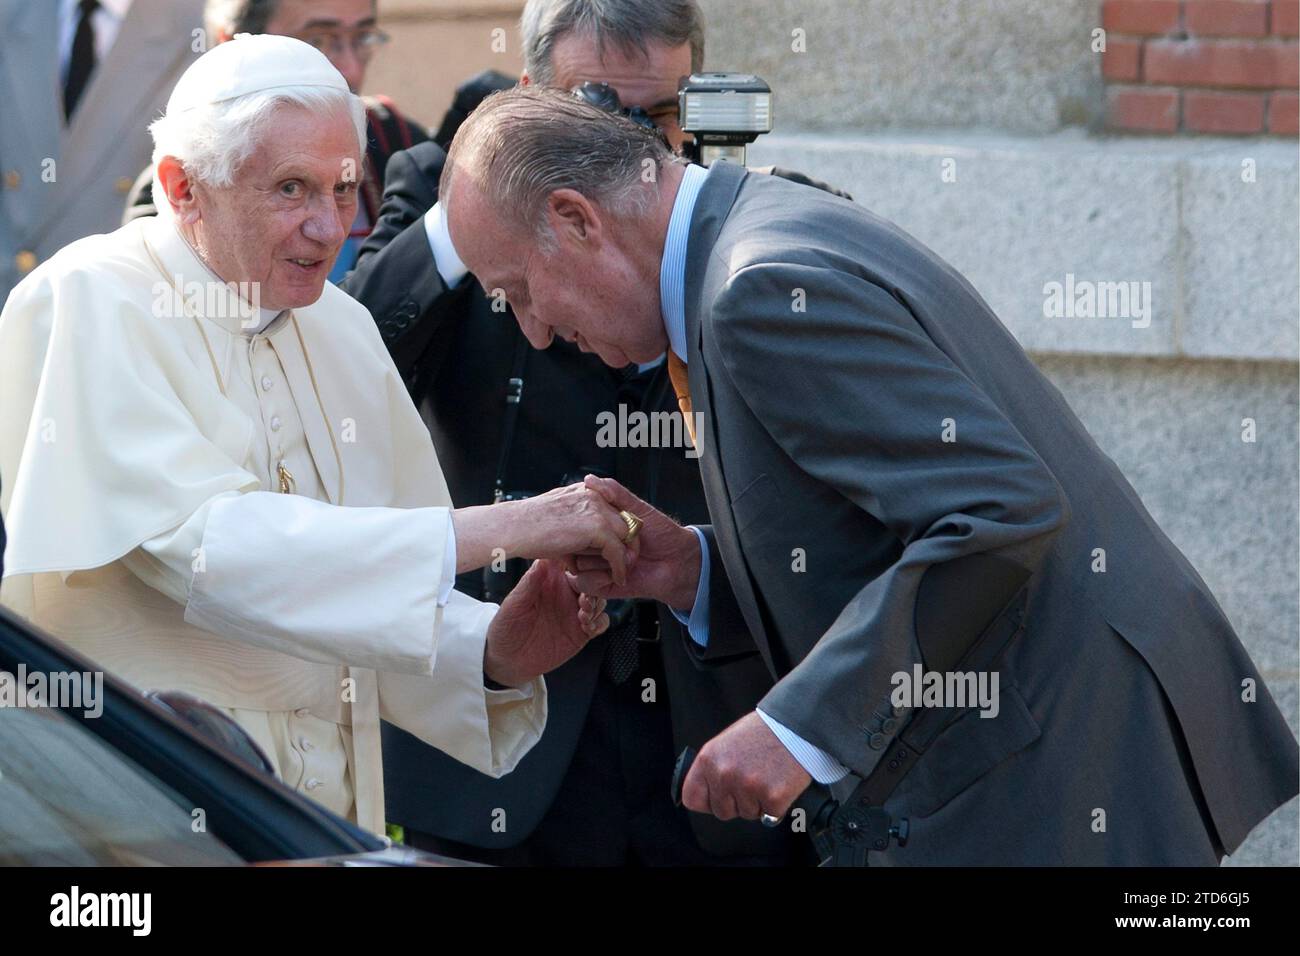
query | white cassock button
(275,423)
(266,383)
(312,784)
(306,744)
(301,712)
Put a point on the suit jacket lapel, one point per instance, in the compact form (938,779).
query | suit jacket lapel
(711,210)
(144,56)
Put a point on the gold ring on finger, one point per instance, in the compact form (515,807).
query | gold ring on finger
(633,525)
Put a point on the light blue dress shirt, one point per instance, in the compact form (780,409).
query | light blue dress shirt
(820,765)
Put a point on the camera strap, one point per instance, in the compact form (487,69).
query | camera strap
(514,394)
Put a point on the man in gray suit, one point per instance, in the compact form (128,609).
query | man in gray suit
(891,483)
(82,81)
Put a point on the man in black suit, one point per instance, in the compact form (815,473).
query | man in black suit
(963,601)
(595,789)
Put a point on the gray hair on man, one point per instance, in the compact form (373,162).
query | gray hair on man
(211,141)
(626,24)
(522,144)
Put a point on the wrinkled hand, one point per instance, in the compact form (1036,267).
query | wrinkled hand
(744,772)
(667,561)
(542,623)
(569,520)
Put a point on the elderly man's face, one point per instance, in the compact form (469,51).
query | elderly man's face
(590,289)
(284,219)
(649,82)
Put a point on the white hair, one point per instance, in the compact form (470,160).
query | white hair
(213,140)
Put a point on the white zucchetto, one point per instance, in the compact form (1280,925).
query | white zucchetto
(252,63)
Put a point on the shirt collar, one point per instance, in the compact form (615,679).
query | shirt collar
(672,270)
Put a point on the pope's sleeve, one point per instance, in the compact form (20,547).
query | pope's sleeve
(338,585)
(356,586)
(489,730)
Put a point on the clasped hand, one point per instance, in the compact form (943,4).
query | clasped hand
(745,771)
(547,618)
(586,554)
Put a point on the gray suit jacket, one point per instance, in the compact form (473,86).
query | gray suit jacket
(97,158)
(884,470)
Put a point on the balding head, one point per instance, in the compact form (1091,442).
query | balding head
(521,145)
(563,207)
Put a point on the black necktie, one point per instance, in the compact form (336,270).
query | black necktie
(623,653)
(82,61)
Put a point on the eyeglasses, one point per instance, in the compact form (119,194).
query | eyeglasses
(363,42)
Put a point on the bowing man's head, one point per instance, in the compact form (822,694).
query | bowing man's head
(259,158)
(563,208)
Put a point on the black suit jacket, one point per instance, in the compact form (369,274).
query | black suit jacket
(926,470)
(456,355)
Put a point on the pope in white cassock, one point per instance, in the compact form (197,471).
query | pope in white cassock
(214,480)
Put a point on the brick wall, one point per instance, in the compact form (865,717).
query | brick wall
(1202,66)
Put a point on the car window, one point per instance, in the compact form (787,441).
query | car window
(68,799)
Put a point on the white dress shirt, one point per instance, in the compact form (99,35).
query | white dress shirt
(445,259)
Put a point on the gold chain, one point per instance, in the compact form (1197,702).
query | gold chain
(287,484)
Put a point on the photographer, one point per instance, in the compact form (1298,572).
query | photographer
(509,422)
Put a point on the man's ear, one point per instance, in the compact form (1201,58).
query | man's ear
(571,215)
(179,190)
(525,79)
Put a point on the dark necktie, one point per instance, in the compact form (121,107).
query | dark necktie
(82,61)
(623,653)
